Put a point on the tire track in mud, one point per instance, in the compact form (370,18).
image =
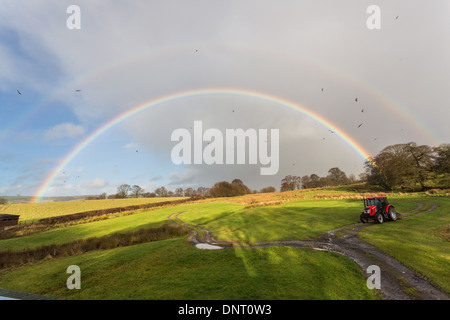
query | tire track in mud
(398,282)
(194,238)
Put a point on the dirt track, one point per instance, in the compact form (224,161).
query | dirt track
(397,281)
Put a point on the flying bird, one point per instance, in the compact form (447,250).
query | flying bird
(19,92)
(78,90)
(362,110)
(396,17)
(360,125)
(356,99)
(322,89)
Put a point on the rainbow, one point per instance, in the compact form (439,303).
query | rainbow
(352,143)
(428,132)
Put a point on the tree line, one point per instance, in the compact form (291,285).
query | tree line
(220,189)
(127,191)
(335,177)
(410,167)
(400,167)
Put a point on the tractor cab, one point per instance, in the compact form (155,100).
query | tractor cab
(378,209)
(375,202)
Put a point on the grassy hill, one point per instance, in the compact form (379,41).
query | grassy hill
(174,269)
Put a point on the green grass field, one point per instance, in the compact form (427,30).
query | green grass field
(421,242)
(227,221)
(30,212)
(293,220)
(174,269)
(152,218)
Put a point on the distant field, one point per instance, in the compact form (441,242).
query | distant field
(27,199)
(34,211)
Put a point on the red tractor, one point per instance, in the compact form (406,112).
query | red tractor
(378,209)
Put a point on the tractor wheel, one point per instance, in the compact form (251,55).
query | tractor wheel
(379,218)
(392,214)
(363,218)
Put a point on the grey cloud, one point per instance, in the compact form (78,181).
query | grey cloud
(129,53)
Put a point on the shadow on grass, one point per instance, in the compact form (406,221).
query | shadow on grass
(15,258)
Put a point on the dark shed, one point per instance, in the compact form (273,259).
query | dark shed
(8,220)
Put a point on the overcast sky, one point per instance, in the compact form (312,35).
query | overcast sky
(131,52)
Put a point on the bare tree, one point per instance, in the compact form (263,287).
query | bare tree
(123,190)
(202,191)
(137,192)
(290,183)
(306,182)
(352,178)
(189,192)
(161,192)
(179,192)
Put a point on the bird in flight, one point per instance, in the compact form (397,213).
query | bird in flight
(396,17)
(356,99)
(322,89)
(19,92)
(78,90)
(362,110)
(360,125)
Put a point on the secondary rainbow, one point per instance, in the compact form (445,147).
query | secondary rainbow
(388,101)
(185,94)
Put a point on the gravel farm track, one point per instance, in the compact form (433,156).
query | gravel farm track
(397,281)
